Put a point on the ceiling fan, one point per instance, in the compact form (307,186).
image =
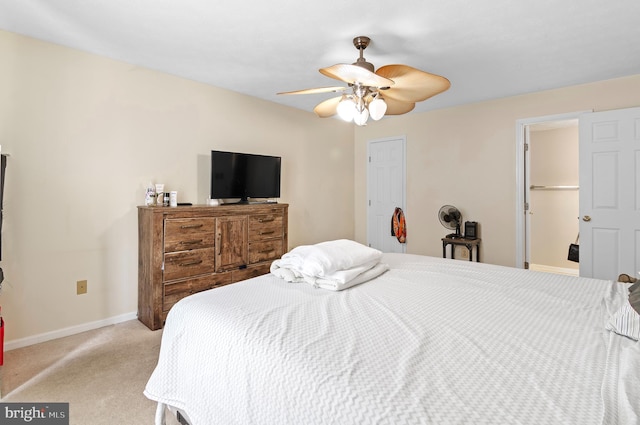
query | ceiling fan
(389,90)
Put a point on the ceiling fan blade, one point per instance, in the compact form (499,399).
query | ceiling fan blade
(316,90)
(412,85)
(396,107)
(353,74)
(328,108)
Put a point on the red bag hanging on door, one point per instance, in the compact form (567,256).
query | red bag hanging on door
(399,225)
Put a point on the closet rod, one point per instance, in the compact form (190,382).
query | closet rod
(534,187)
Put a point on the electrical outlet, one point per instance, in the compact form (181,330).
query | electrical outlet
(81,287)
(464,253)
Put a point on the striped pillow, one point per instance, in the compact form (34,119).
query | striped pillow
(626,322)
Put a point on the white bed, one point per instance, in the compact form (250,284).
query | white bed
(431,341)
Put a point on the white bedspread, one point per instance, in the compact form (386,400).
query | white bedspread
(431,341)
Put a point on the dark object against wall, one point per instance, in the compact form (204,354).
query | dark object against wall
(470,230)
(574,251)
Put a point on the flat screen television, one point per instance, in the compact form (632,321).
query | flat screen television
(241,175)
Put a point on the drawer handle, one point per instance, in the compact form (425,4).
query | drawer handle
(193,242)
(191,226)
(266,220)
(267,233)
(266,251)
(193,263)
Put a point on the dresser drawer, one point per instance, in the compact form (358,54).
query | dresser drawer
(183,264)
(174,292)
(190,233)
(265,227)
(265,250)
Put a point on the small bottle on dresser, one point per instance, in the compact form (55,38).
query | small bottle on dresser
(150,195)
(159,194)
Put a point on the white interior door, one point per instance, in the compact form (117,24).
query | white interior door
(610,193)
(386,191)
(527,198)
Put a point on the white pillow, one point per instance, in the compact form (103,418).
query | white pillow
(625,322)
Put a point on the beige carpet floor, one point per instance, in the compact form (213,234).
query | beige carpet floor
(100,373)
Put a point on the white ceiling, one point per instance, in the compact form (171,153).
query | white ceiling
(486,48)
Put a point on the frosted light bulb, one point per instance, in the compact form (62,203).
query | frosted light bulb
(346,109)
(361,117)
(377,108)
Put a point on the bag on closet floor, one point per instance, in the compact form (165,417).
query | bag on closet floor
(574,251)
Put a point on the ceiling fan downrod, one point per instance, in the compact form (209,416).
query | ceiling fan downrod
(361,43)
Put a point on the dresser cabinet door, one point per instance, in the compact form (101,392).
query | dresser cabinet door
(231,242)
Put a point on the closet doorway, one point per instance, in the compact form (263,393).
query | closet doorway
(554,208)
(547,207)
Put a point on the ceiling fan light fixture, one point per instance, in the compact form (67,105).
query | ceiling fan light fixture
(377,108)
(346,108)
(361,117)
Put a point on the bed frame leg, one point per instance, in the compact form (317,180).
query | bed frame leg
(160,414)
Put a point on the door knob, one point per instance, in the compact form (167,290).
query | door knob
(586,218)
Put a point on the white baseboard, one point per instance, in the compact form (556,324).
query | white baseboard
(553,269)
(61,333)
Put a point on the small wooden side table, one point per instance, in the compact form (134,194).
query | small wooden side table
(468,243)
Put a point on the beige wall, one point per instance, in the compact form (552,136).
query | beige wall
(553,213)
(465,156)
(86,134)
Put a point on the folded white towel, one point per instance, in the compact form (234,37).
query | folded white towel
(338,284)
(337,281)
(325,258)
(291,274)
(286,273)
(343,276)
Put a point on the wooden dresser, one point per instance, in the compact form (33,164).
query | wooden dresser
(188,249)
